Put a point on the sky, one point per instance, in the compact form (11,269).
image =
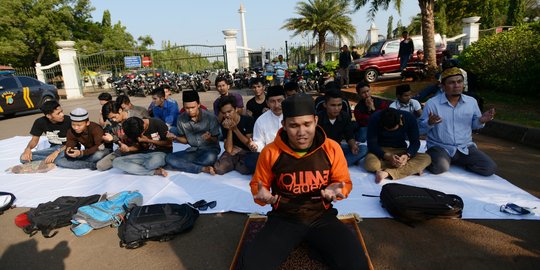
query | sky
(201,21)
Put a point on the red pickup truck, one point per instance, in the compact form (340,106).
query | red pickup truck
(381,57)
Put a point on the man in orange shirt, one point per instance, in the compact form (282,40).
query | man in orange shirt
(300,174)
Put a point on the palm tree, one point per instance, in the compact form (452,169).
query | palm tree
(321,17)
(428,23)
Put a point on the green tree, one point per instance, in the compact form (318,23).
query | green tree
(145,42)
(389,27)
(516,10)
(532,10)
(399,29)
(106,20)
(428,23)
(87,34)
(117,38)
(441,24)
(322,17)
(29,29)
(415,27)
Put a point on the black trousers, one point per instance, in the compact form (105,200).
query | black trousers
(329,238)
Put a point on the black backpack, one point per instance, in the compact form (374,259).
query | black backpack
(410,204)
(158,222)
(6,201)
(56,214)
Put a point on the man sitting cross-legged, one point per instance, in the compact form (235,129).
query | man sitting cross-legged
(86,133)
(389,155)
(55,126)
(200,129)
(146,149)
(115,134)
(338,126)
(237,130)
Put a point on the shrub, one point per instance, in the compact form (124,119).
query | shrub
(329,66)
(507,62)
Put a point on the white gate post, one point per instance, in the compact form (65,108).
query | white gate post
(232,52)
(373,34)
(471,28)
(39,73)
(70,69)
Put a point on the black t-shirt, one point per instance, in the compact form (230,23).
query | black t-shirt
(255,108)
(245,126)
(319,105)
(55,133)
(157,131)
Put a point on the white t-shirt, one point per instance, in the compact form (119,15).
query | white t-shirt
(411,107)
(266,128)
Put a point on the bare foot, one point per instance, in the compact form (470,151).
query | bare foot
(380,175)
(209,169)
(161,171)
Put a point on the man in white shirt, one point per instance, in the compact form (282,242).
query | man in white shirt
(268,123)
(404,102)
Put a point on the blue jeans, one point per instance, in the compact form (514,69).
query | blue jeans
(192,161)
(44,153)
(85,162)
(403,60)
(361,134)
(352,158)
(140,164)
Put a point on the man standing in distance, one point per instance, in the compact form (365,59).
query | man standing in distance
(406,49)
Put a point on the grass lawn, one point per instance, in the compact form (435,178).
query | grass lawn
(522,110)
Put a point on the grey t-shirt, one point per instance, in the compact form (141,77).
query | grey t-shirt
(193,131)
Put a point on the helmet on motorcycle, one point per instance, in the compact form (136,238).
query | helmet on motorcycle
(320,64)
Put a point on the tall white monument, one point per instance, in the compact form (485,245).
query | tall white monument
(245,56)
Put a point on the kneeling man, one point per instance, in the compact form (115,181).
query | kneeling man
(300,174)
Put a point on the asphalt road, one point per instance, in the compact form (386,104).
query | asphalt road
(437,244)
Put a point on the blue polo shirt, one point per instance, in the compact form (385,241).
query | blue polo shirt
(169,112)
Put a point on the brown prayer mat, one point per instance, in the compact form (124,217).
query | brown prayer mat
(299,258)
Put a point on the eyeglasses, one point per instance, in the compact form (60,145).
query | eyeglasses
(202,205)
(514,209)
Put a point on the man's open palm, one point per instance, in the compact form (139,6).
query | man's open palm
(333,192)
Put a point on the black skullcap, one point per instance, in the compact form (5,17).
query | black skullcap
(190,96)
(276,90)
(400,89)
(298,105)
